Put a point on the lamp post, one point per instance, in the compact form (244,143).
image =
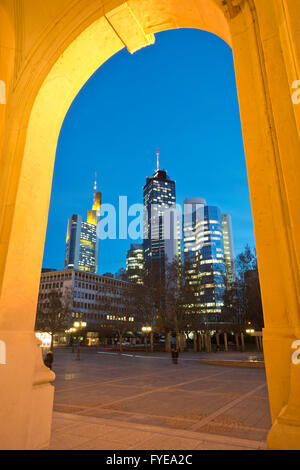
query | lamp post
(249,331)
(79,325)
(70,331)
(147,330)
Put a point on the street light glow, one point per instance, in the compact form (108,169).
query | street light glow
(147,329)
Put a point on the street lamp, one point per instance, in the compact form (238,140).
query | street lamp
(71,331)
(147,330)
(79,325)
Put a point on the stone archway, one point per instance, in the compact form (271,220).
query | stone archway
(57,45)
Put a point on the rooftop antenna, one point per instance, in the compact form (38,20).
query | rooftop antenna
(157,156)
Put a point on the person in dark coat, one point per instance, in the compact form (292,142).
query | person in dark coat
(49,359)
(174,348)
(175,354)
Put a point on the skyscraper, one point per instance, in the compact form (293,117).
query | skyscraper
(204,255)
(193,215)
(161,221)
(228,248)
(135,263)
(82,244)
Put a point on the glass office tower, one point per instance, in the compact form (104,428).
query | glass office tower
(193,217)
(82,243)
(135,263)
(228,248)
(161,222)
(204,255)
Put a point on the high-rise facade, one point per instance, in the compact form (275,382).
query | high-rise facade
(193,215)
(82,243)
(204,256)
(135,263)
(228,248)
(161,221)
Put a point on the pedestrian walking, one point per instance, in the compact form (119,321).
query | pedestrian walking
(49,359)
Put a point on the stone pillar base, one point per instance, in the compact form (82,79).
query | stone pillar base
(284,436)
(284,389)
(26,393)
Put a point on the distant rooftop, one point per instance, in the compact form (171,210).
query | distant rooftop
(48,270)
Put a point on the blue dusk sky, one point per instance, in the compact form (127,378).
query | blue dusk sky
(178,95)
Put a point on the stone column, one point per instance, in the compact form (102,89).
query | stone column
(25,391)
(225,342)
(151,342)
(195,349)
(207,342)
(182,342)
(203,340)
(199,342)
(243,342)
(271,37)
(237,345)
(167,342)
(178,341)
(218,339)
(41,77)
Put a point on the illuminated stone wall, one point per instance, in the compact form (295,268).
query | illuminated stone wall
(48,50)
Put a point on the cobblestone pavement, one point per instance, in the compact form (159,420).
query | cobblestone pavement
(112,401)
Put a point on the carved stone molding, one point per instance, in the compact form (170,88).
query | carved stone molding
(232,7)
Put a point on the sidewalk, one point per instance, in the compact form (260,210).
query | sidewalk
(112,401)
(74,432)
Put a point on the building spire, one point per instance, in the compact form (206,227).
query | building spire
(157,156)
(95,186)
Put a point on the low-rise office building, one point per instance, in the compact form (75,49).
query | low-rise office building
(91,298)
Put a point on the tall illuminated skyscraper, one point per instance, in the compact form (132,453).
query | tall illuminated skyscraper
(161,222)
(204,255)
(135,263)
(192,222)
(82,243)
(228,248)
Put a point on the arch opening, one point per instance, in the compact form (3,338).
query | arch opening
(60,65)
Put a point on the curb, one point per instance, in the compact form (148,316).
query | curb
(228,363)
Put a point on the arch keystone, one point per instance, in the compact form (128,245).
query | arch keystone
(126,25)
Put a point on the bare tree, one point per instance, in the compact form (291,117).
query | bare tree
(54,313)
(144,301)
(178,300)
(250,287)
(242,299)
(121,317)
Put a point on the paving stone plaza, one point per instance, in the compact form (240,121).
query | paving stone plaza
(142,401)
